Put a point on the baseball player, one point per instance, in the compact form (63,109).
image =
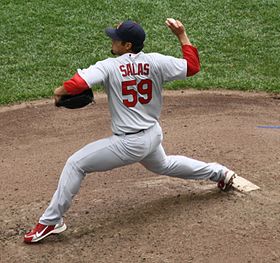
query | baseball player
(133,82)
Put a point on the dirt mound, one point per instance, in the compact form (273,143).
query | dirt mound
(130,214)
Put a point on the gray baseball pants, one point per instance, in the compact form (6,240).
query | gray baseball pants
(116,151)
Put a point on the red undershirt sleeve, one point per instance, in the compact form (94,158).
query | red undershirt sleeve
(190,54)
(75,85)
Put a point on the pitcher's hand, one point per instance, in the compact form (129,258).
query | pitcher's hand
(178,30)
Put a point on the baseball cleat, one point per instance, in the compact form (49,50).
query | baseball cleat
(226,183)
(41,231)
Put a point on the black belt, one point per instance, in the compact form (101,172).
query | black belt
(130,133)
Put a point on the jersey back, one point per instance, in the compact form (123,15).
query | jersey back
(133,83)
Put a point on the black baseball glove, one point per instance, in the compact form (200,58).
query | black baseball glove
(76,101)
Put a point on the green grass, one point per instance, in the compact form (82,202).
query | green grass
(44,42)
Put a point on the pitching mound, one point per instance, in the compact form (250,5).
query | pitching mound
(131,215)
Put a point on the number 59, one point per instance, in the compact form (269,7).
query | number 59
(144,87)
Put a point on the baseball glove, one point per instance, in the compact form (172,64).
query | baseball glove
(76,101)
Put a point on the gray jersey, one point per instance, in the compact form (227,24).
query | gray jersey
(133,83)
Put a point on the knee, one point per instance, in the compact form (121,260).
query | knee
(74,163)
(71,161)
(158,169)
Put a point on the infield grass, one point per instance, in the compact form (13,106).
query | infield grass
(44,42)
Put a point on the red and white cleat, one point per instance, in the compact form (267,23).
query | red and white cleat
(41,231)
(226,183)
